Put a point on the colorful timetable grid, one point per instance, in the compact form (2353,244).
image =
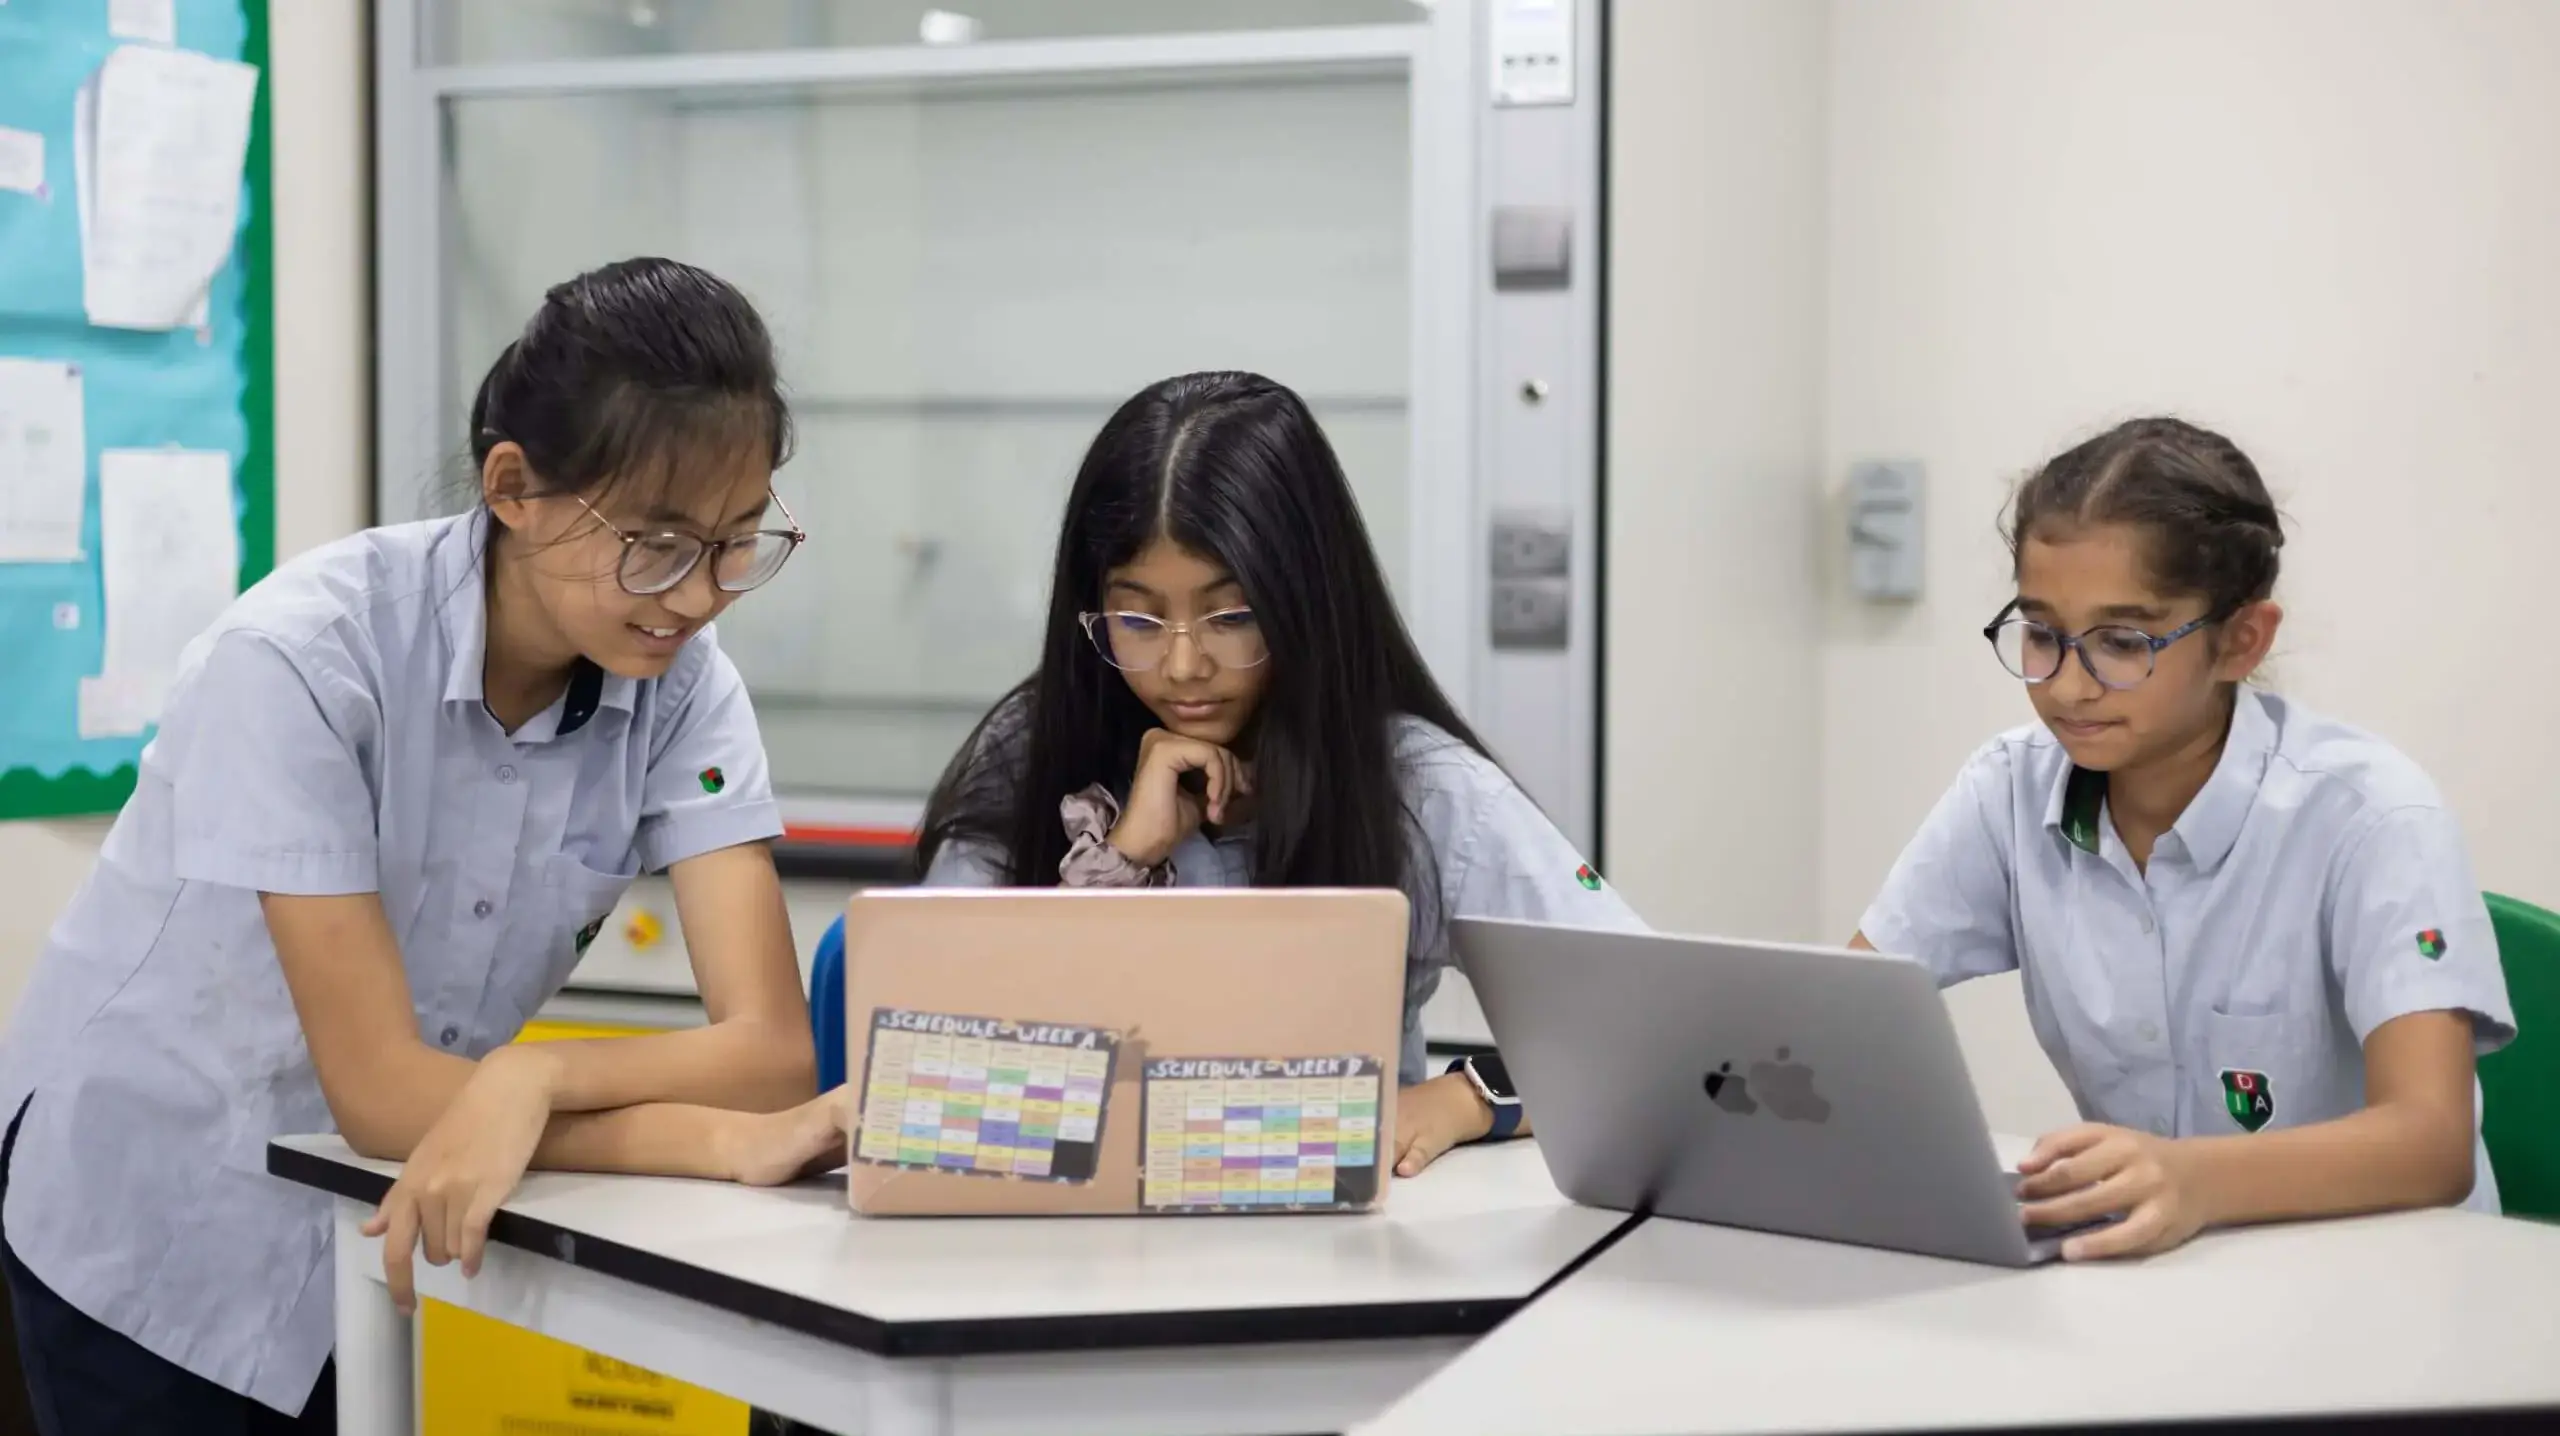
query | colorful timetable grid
(1260,1133)
(984,1095)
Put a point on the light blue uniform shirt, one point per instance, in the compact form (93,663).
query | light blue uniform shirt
(326,736)
(2314,890)
(1493,852)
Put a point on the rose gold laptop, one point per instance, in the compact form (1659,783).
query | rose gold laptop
(1018,1051)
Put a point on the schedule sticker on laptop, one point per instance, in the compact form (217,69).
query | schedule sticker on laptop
(984,1095)
(1260,1134)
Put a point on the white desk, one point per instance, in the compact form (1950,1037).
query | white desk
(1685,1328)
(786,1300)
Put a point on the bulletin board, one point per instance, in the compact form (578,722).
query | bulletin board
(199,387)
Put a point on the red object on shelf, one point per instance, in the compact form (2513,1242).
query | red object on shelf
(846,835)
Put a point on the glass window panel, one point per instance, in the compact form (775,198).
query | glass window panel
(963,283)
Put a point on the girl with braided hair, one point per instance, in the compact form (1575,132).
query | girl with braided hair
(2250,938)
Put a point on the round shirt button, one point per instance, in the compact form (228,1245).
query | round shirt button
(480,908)
(449,1036)
(2149,1032)
(2160,1125)
(506,775)
(2148,925)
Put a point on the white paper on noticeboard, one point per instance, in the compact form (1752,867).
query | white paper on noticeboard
(161,138)
(169,554)
(21,161)
(43,461)
(117,706)
(151,21)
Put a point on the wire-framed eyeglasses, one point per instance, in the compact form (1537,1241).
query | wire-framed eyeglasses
(2118,655)
(655,561)
(1136,642)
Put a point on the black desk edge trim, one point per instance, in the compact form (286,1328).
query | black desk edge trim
(985,1336)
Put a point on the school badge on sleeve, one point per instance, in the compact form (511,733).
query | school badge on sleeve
(2251,1101)
(712,780)
(1585,876)
(2431,944)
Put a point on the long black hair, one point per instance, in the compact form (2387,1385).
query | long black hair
(1234,468)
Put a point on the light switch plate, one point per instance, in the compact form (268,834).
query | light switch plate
(1532,247)
(1885,531)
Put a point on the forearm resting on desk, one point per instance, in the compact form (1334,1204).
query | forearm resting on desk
(414,1089)
(659,1139)
(679,1132)
(746,1064)
(650,1103)
(388,1088)
(665,1139)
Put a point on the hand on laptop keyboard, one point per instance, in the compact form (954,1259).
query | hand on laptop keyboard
(2037,1233)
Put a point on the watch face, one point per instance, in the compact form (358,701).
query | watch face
(1495,1077)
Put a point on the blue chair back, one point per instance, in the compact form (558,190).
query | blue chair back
(826,1006)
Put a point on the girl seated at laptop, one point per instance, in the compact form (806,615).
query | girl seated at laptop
(2250,936)
(1226,697)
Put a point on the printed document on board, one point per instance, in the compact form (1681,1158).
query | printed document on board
(43,461)
(160,138)
(169,552)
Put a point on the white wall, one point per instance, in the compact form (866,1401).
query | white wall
(1714,437)
(319,58)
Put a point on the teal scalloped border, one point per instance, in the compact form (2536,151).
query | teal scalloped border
(81,792)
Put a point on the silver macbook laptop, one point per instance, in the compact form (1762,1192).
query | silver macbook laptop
(1813,1091)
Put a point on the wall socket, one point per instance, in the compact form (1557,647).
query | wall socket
(1532,614)
(1531,545)
(1530,553)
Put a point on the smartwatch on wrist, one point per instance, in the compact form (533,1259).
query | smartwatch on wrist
(1492,1082)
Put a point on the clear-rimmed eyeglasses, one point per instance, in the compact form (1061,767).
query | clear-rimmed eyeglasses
(655,561)
(1136,642)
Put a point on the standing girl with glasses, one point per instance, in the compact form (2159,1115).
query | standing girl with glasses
(1226,697)
(2250,937)
(396,789)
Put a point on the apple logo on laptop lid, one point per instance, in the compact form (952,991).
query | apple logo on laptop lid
(1730,1090)
(1785,1087)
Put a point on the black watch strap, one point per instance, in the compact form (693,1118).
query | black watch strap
(1506,1115)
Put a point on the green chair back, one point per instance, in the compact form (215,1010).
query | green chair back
(2520,1084)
